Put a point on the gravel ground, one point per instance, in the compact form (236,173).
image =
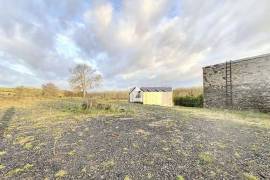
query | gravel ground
(153,143)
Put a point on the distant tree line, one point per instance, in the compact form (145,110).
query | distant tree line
(82,79)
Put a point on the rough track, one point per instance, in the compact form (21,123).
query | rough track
(154,143)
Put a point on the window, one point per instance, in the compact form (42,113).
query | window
(138,94)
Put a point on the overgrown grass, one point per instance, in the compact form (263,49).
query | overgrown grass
(75,106)
(189,101)
(182,92)
(189,97)
(110,95)
(28,92)
(51,115)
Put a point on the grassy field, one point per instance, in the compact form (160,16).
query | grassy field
(26,92)
(182,92)
(55,138)
(249,118)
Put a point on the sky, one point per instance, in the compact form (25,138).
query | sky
(130,42)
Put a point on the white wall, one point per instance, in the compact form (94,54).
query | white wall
(133,96)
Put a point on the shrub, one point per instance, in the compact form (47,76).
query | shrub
(49,89)
(189,101)
(89,103)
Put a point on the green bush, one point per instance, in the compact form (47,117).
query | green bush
(189,101)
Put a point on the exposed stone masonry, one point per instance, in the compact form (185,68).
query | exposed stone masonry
(250,84)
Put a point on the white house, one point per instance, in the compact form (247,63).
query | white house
(135,95)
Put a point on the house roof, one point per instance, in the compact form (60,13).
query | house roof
(132,89)
(156,89)
(152,89)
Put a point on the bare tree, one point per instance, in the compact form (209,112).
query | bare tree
(49,89)
(84,77)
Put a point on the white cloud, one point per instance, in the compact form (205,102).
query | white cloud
(142,42)
(101,15)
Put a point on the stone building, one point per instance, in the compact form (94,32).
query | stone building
(242,84)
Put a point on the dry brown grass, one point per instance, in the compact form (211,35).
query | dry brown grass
(249,118)
(48,114)
(36,93)
(193,91)
(20,91)
(110,95)
(7,102)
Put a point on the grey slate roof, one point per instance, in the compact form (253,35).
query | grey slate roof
(132,89)
(156,89)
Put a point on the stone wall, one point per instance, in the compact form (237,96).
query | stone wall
(250,84)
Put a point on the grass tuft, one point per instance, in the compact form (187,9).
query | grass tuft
(127,178)
(16,171)
(248,176)
(2,153)
(206,157)
(180,178)
(61,173)
(2,166)
(72,153)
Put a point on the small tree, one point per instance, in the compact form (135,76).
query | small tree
(49,89)
(84,77)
